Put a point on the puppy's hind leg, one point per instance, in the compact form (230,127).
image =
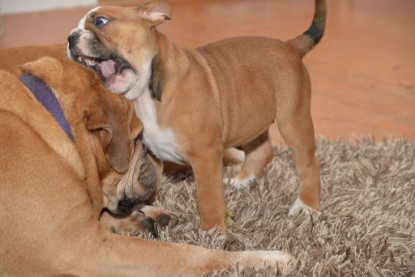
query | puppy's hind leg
(233,157)
(296,127)
(258,154)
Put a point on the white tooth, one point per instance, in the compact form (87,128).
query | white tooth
(90,62)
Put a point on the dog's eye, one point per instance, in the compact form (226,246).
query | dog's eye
(100,21)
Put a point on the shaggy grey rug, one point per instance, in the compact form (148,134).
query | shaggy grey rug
(366,227)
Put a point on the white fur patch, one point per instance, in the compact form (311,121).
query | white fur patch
(241,183)
(139,86)
(161,141)
(269,257)
(299,206)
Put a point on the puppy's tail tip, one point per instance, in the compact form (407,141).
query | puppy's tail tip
(310,38)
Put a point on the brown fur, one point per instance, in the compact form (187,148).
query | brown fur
(52,190)
(212,98)
(12,58)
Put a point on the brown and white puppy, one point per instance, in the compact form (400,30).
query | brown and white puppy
(51,183)
(196,103)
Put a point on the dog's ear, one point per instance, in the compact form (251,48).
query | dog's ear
(114,135)
(155,12)
(49,69)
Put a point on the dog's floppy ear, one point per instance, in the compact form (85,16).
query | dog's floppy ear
(155,12)
(114,137)
(49,69)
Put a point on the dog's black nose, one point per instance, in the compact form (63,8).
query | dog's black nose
(125,206)
(72,39)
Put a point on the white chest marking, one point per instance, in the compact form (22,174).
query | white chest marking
(161,141)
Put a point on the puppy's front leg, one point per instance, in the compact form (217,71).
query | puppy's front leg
(208,171)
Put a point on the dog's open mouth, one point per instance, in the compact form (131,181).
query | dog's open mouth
(116,73)
(106,68)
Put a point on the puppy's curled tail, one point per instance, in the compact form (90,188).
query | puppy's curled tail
(306,41)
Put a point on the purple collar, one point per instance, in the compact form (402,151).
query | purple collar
(48,99)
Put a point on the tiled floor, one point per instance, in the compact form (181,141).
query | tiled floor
(363,72)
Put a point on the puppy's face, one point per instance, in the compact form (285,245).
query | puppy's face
(107,133)
(119,44)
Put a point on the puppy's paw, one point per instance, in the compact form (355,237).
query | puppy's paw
(240,182)
(299,206)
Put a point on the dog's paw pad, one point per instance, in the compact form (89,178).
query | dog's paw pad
(163,220)
(154,217)
(148,224)
(151,225)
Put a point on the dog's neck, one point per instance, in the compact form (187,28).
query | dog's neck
(47,98)
(167,53)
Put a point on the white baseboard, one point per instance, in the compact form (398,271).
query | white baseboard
(22,6)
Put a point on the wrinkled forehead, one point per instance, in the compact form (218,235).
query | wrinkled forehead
(109,12)
(81,23)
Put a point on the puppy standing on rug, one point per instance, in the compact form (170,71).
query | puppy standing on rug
(197,103)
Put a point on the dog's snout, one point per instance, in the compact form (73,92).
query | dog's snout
(73,39)
(147,176)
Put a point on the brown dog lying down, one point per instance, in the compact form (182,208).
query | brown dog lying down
(11,60)
(98,116)
(51,178)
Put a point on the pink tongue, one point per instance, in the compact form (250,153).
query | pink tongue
(107,68)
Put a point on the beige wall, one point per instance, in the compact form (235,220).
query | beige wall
(21,6)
